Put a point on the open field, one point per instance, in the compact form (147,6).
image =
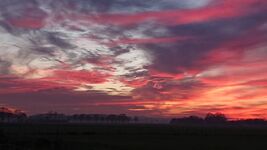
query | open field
(128,137)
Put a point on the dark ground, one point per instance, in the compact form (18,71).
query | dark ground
(130,137)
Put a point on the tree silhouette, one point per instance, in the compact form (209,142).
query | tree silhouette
(191,120)
(215,118)
(135,119)
(7,115)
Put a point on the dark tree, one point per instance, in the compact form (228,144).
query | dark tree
(135,119)
(191,120)
(216,118)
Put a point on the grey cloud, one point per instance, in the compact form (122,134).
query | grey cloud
(57,40)
(7,27)
(176,89)
(205,36)
(4,67)
(128,6)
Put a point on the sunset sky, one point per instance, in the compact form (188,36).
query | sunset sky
(139,57)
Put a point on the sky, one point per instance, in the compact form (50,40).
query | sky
(139,57)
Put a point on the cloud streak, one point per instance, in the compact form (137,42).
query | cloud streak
(158,57)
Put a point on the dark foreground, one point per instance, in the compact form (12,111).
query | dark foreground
(130,137)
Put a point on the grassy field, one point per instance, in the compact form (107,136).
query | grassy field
(129,137)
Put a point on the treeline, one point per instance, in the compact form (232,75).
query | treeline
(8,115)
(81,118)
(216,119)
(54,117)
(16,116)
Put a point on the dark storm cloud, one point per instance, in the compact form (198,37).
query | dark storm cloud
(44,50)
(207,36)
(126,6)
(56,40)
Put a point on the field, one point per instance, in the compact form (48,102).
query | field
(129,137)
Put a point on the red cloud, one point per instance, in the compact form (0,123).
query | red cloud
(135,82)
(224,9)
(27,23)
(62,79)
(262,83)
(32,18)
(233,51)
(80,76)
(105,62)
(19,85)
